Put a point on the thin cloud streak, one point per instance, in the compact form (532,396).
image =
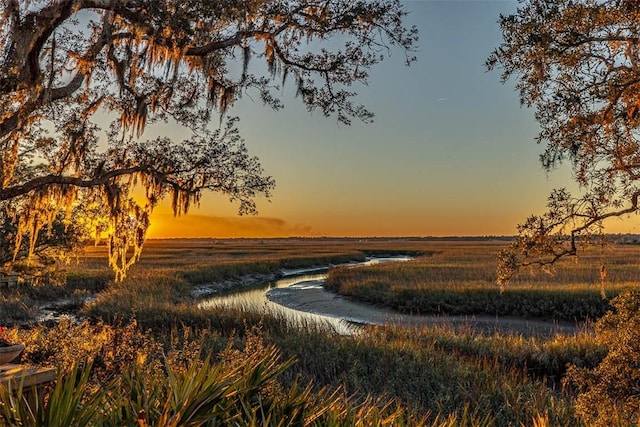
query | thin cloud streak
(192,226)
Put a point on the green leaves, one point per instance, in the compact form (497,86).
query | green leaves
(242,391)
(71,402)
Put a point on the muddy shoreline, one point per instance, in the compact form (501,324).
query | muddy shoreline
(211,289)
(311,297)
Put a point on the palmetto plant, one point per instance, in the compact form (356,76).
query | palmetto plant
(204,394)
(68,403)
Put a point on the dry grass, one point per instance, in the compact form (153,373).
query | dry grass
(438,375)
(459,278)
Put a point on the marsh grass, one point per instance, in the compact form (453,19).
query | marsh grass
(16,308)
(460,279)
(168,269)
(440,371)
(187,380)
(141,330)
(288,376)
(157,290)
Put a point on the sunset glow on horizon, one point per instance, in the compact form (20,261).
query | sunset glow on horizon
(450,153)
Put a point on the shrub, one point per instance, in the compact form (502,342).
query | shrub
(609,394)
(238,387)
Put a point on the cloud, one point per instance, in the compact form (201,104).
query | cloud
(165,225)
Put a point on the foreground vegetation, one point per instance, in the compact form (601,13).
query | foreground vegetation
(147,355)
(386,377)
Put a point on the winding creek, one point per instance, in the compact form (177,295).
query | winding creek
(300,297)
(295,297)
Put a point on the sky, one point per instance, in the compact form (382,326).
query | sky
(450,151)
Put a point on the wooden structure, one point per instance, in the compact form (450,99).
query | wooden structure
(8,280)
(11,279)
(31,378)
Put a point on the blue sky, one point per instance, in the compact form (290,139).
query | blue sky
(450,152)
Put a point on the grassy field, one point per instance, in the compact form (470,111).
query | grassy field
(459,278)
(147,337)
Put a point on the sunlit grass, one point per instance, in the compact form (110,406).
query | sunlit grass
(440,375)
(403,376)
(460,279)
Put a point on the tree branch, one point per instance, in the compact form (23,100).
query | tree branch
(9,193)
(12,121)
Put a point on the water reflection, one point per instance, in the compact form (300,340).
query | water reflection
(255,299)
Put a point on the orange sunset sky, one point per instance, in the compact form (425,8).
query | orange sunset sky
(450,151)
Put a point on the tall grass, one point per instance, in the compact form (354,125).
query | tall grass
(153,351)
(461,280)
(302,377)
(118,382)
